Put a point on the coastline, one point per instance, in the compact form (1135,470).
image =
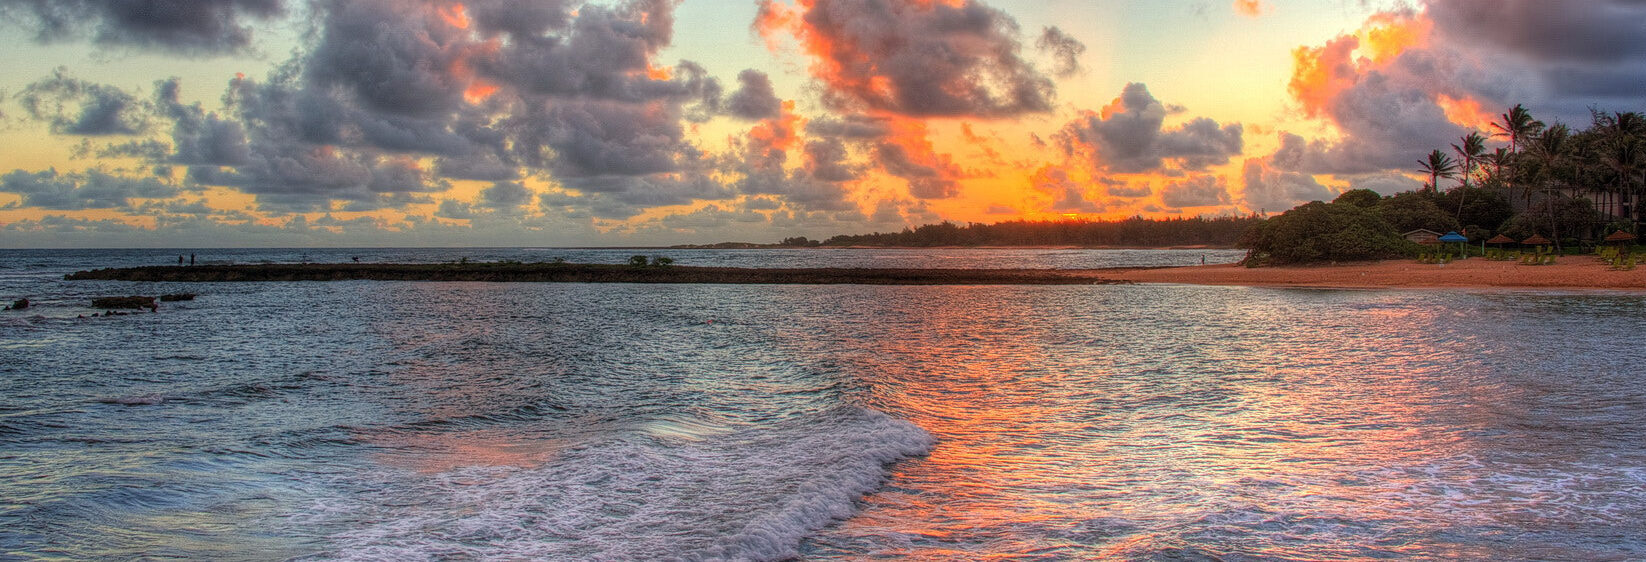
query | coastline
(1570,273)
(593,273)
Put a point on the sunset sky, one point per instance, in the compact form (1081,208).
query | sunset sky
(150,123)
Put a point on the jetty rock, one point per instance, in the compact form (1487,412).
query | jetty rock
(124,302)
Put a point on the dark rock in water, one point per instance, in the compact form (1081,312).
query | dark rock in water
(124,302)
(19,305)
(177,297)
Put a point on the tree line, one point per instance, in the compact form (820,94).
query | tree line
(1564,184)
(1570,187)
(1133,231)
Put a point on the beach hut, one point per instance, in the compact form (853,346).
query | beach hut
(1620,258)
(1499,241)
(1453,236)
(1539,258)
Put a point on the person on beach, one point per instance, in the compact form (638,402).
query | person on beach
(191,259)
(179,259)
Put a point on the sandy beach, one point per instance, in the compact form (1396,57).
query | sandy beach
(1572,272)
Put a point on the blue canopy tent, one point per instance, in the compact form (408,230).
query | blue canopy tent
(1453,236)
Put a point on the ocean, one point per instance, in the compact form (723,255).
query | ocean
(366,420)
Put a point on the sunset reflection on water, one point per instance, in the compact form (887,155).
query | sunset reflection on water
(1276,424)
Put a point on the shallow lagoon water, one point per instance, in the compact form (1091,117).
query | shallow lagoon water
(403,420)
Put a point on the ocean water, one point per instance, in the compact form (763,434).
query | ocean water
(403,420)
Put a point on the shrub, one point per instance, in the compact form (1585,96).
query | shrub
(1359,197)
(661,261)
(1412,210)
(1323,232)
(637,261)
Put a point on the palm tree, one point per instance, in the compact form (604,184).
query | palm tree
(1496,158)
(1623,149)
(1473,148)
(1518,125)
(1550,150)
(1439,165)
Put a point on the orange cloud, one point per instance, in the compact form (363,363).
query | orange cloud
(779,133)
(1465,111)
(907,152)
(1320,74)
(456,15)
(1250,8)
(1388,34)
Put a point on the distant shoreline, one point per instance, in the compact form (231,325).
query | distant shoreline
(751,246)
(590,273)
(1571,272)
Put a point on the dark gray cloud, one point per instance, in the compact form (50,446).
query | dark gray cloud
(1131,138)
(402,175)
(454,209)
(93,189)
(918,59)
(522,21)
(1064,50)
(1276,190)
(199,137)
(1196,191)
(827,160)
(603,53)
(754,98)
(817,185)
(1131,190)
(505,196)
(1563,57)
(205,27)
(196,207)
(934,178)
(622,197)
(76,107)
(852,127)
(393,60)
(597,138)
(1586,32)
(484,166)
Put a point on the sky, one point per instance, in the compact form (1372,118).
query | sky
(230,123)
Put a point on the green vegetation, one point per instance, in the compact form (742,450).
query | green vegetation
(1573,188)
(1135,231)
(1314,232)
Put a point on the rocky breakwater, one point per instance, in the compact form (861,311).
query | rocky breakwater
(594,273)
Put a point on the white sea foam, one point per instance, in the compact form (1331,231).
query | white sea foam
(745,495)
